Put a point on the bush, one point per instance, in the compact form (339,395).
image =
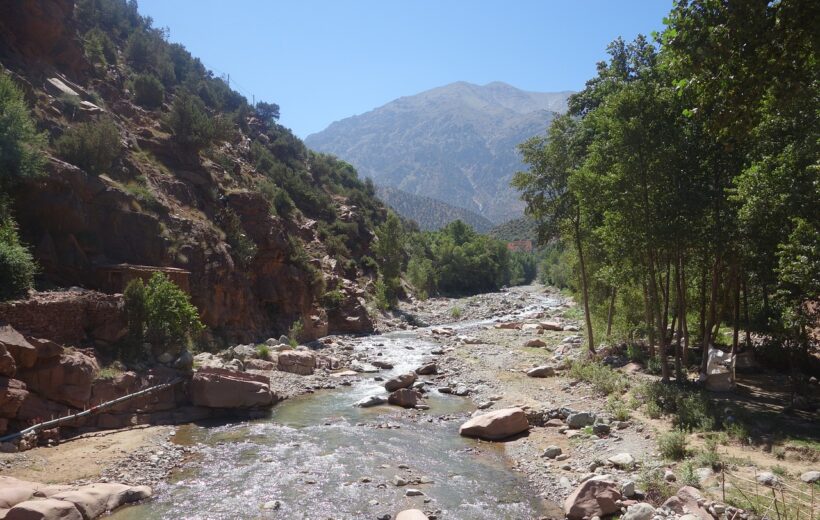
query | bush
(243,249)
(148,91)
(690,409)
(17,266)
(296,333)
(20,144)
(456,312)
(99,48)
(618,408)
(333,299)
(602,377)
(654,486)
(160,313)
(672,445)
(263,351)
(380,295)
(190,125)
(91,146)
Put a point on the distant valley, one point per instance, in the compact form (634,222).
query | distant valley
(455,143)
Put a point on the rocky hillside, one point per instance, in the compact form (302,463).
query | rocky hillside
(430,214)
(523,228)
(152,161)
(455,143)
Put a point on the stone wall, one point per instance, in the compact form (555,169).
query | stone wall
(72,317)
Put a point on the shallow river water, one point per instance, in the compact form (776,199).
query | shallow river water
(323,458)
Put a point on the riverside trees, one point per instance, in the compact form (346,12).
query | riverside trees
(686,178)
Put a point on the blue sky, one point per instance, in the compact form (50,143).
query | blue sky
(324,60)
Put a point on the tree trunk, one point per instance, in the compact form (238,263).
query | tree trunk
(683,309)
(655,306)
(702,323)
(667,296)
(611,312)
(748,339)
(712,317)
(675,318)
(650,327)
(584,288)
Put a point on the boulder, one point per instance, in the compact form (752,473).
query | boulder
(542,371)
(297,362)
(510,325)
(552,451)
(688,500)
(66,379)
(639,512)
(810,477)
(400,381)
(580,419)
(47,509)
(622,460)
(382,364)
(373,400)
(496,425)
(12,395)
(551,325)
(535,343)
(8,367)
(411,514)
(592,498)
(428,369)
(94,500)
(260,364)
(23,352)
(404,397)
(46,349)
(218,388)
(767,478)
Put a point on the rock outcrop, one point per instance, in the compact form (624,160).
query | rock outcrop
(297,362)
(23,500)
(219,388)
(496,425)
(594,497)
(400,381)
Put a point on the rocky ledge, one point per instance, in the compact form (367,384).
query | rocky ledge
(23,500)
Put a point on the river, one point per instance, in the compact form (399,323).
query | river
(318,457)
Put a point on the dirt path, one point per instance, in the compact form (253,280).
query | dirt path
(142,455)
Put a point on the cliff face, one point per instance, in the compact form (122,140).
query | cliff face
(156,207)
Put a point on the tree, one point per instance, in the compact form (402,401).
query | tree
(389,250)
(21,145)
(160,313)
(191,127)
(269,112)
(92,146)
(546,188)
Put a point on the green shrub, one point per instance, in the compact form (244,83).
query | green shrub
(333,299)
(456,312)
(603,378)
(296,333)
(17,266)
(709,457)
(690,409)
(634,352)
(653,410)
(243,249)
(380,295)
(672,445)
(91,146)
(99,48)
(191,127)
(160,313)
(654,486)
(148,91)
(263,351)
(21,146)
(688,476)
(618,408)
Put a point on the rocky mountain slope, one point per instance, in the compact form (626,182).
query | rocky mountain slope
(430,214)
(455,143)
(263,227)
(523,228)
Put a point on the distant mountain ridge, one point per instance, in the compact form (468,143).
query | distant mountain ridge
(455,143)
(430,214)
(523,228)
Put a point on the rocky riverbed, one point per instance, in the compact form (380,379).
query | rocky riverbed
(370,426)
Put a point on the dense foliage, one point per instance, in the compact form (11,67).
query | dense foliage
(20,143)
(20,157)
(92,146)
(685,182)
(161,314)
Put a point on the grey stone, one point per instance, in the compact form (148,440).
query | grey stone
(580,419)
(552,451)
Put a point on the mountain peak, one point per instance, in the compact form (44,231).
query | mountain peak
(455,143)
